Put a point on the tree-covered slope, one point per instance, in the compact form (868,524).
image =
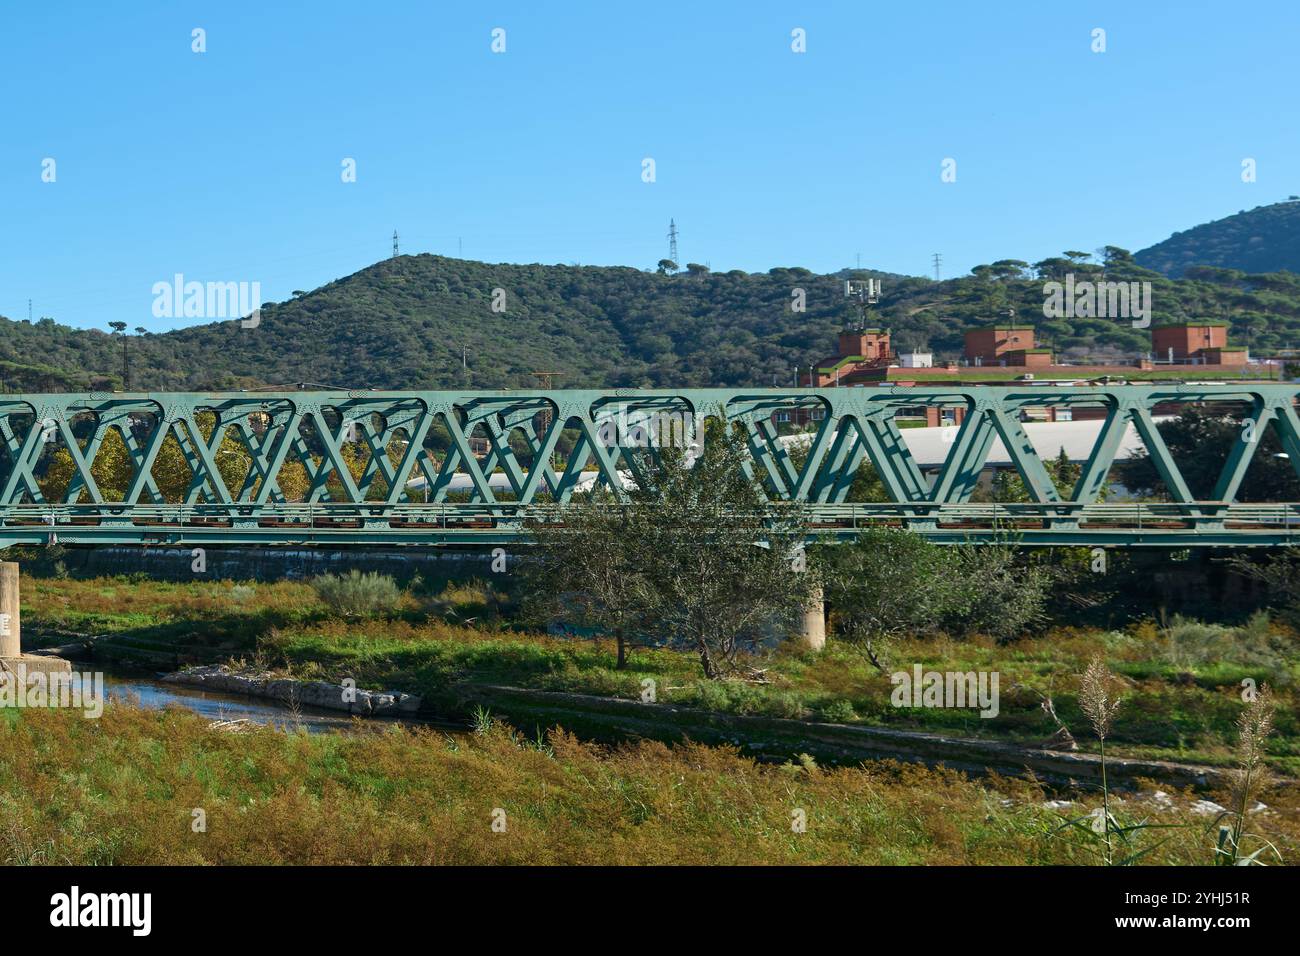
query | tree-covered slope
(1263,239)
(403,323)
(406,323)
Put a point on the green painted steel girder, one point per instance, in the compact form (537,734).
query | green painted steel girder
(394,491)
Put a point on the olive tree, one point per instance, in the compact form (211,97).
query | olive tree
(887,584)
(583,570)
(723,564)
(697,555)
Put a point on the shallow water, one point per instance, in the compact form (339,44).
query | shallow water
(152,693)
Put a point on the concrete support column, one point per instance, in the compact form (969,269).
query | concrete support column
(10,625)
(812,626)
(12,658)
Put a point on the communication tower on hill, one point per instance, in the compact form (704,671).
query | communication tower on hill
(864,293)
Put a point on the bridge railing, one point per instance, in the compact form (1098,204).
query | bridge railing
(448,522)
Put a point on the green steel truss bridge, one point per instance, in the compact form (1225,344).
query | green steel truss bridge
(480,492)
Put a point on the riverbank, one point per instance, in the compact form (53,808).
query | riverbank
(612,720)
(344,697)
(145,779)
(1182,684)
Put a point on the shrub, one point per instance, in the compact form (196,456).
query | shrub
(999,592)
(1192,644)
(837,711)
(241,593)
(786,704)
(356,594)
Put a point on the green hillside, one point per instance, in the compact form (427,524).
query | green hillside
(1263,239)
(402,323)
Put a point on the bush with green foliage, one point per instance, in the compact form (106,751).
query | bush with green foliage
(357,594)
(1257,644)
(999,591)
(892,583)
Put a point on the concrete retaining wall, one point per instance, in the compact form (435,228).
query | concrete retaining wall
(273,564)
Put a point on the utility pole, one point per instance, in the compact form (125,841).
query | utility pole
(394,243)
(938,263)
(672,242)
(29,310)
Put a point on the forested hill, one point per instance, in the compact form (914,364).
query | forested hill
(1263,239)
(402,323)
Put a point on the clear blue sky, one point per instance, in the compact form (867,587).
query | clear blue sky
(225,166)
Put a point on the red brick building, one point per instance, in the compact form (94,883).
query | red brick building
(1195,343)
(1002,345)
(864,355)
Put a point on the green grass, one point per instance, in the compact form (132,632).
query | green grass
(124,789)
(1182,699)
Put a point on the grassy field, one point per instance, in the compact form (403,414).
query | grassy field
(1182,682)
(124,789)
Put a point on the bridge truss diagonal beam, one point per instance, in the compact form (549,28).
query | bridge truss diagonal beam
(490,461)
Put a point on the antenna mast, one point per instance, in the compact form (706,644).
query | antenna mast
(865,293)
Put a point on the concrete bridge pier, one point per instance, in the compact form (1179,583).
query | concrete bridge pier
(11,650)
(10,625)
(812,625)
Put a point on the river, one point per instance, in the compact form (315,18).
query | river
(213,705)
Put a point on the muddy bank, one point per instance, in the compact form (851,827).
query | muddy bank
(320,694)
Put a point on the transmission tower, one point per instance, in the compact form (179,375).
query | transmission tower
(938,263)
(548,382)
(394,243)
(672,241)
